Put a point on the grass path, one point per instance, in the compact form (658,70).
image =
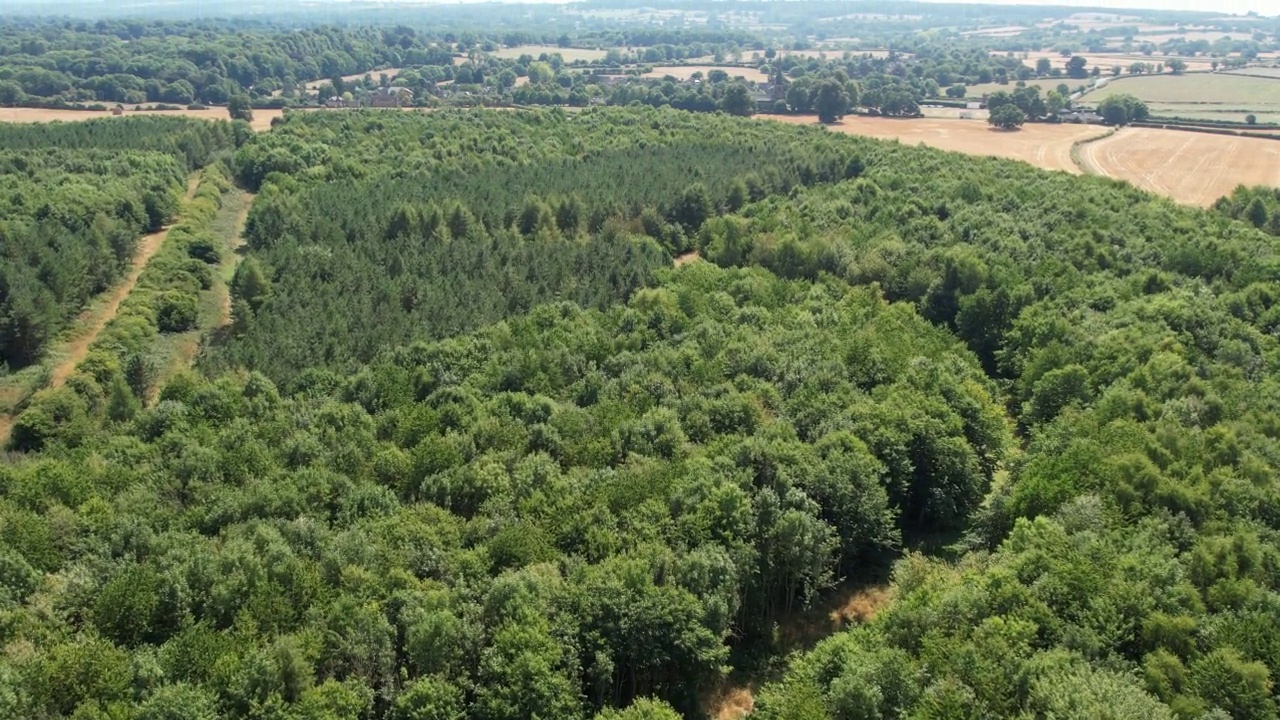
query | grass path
(232,262)
(178,352)
(93,320)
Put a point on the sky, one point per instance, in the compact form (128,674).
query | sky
(1235,7)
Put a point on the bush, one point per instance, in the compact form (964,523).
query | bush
(205,249)
(176,312)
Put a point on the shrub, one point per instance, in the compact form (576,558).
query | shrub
(176,312)
(205,249)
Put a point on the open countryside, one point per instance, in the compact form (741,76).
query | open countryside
(822,385)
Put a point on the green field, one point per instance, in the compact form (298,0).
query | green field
(1201,96)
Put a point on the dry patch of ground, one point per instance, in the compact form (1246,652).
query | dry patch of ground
(1043,145)
(848,605)
(1188,167)
(684,72)
(685,259)
(261,118)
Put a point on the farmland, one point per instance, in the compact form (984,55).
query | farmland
(1105,61)
(569,54)
(1045,146)
(684,72)
(1191,168)
(1200,96)
(261,118)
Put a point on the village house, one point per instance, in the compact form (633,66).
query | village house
(394,96)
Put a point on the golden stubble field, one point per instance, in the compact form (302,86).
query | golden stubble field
(1187,167)
(684,72)
(1191,168)
(261,118)
(1043,145)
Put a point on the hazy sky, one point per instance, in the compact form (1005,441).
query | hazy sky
(1229,7)
(1237,7)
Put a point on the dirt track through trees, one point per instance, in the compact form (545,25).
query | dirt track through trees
(92,321)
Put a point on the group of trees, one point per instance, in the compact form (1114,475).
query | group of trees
(1258,206)
(479,454)
(553,516)
(1122,109)
(1130,559)
(537,206)
(74,199)
(182,62)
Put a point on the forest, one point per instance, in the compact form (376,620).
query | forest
(473,448)
(537,207)
(74,199)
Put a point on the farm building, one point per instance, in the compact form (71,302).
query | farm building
(393,96)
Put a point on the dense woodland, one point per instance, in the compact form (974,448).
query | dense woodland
(74,199)
(535,206)
(473,449)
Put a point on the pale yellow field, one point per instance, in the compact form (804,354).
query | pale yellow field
(1191,168)
(569,54)
(261,118)
(684,72)
(1045,146)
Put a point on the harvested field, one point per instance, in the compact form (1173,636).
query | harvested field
(1189,167)
(261,118)
(684,72)
(1042,145)
(569,54)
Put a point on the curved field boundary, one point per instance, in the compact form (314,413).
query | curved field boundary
(95,319)
(1077,153)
